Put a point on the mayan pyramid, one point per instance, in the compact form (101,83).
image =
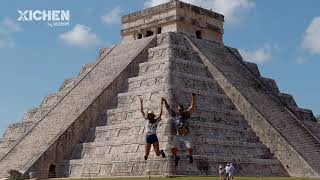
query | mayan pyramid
(93,126)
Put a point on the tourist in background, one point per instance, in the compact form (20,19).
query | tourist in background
(232,171)
(227,170)
(221,172)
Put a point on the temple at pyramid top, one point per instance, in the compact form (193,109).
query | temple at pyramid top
(174,16)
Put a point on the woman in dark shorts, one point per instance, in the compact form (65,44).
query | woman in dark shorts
(151,131)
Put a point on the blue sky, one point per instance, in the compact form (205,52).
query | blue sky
(283,37)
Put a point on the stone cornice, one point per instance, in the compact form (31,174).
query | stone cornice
(168,20)
(170,5)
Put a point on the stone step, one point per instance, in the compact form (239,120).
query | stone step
(154,93)
(35,114)
(85,69)
(173,61)
(17,130)
(201,166)
(252,66)
(224,148)
(52,99)
(132,112)
(139,169)
(104,52)
(68,84)
(30,115)
(99,153)
(173,74)
(5,144)
(122,51)
(314,127)
(194,122)
(292,130)
(153,67)
(124,46)
(144,82)
(307,115)
(289,101)
(212,104)
(168,80)
(161,66)
(198,141)
(135,112)
(172,38)
(138,156)
(172,51)
(287,125)
(103,134)
(232,118)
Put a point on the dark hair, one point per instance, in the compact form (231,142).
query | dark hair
(151,120)
(181,106)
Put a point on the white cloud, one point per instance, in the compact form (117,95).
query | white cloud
(6,42)
(80,36)
(311,41)
(113,16)
(260,55)
(7,28)
(301,60)
(231,9)
(150,3)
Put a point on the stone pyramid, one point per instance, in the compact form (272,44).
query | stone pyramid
(93,126)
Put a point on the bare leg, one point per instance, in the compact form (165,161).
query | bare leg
(175,155)
(147,151)
(190,155)
(174,152)
(156,148)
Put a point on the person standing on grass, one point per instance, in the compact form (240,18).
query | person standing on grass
(151,131)
(227,169)
(232,171)
(221,172)
(181,117)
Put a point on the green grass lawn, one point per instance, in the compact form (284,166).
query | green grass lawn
(204,178)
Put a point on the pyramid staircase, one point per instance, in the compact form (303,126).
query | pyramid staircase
(220,133)
(274,116)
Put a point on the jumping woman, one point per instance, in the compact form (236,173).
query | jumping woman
(151,131)
(181,119)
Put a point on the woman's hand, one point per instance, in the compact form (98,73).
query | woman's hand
(163,100)
(141,99)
